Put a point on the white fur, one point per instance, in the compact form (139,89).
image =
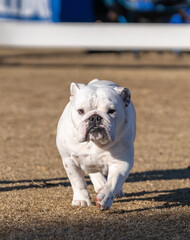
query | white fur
(113,156)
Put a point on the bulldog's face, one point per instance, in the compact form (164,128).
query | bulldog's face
(98,113)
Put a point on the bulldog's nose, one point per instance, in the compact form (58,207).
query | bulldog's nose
(95,119)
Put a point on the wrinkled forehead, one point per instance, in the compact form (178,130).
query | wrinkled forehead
(94,98)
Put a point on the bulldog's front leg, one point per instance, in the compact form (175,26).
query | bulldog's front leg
(76,177)
(118,173)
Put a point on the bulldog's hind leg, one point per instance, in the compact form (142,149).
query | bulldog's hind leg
(98,181)
(120,194)
(76,177)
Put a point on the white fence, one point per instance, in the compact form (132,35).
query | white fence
(97,36)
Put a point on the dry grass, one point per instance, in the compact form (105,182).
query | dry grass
(35,194)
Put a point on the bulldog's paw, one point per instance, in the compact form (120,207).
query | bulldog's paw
(120,194)
(104,199)
(81,203)
(81,198)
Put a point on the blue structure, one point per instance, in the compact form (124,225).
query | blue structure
(48,10)
(77,11)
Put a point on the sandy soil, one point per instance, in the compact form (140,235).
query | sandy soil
(35,194)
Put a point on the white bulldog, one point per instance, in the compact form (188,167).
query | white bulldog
(95,135)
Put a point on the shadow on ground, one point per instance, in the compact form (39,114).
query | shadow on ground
(169,174)
(13,61)
(133,177)
(170,198)
(105,226)
(92,65)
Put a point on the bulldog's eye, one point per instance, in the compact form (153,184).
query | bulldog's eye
(80,111)
(111,111)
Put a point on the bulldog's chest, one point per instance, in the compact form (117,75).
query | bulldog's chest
(91,161)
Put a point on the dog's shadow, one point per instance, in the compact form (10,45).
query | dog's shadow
(170,198)
(172,174)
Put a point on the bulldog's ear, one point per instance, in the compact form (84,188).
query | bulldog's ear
(125,94)
(74,87)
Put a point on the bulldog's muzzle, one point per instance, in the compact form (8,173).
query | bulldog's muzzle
(96,130)
(96,125)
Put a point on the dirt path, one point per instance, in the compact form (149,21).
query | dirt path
(35,194)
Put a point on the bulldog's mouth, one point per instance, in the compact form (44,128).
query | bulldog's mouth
(96,134)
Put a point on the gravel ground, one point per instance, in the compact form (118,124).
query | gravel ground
(35,194)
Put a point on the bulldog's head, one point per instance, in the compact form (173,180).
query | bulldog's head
(98,112)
